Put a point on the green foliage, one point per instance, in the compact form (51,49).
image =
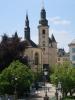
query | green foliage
(18,76)
(65,73)
(69,98)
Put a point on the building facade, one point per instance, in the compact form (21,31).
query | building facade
(72,52)
(43,54)
(62,56)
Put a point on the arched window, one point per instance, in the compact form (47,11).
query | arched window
(43,32)
(36,58)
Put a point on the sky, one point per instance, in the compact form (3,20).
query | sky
(60,15)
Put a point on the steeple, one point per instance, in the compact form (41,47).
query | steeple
(27,20)
(53,38)
(27,28)
(43,21)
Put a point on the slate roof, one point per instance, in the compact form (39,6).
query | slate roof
(31,43)
(53,38)
(50,41)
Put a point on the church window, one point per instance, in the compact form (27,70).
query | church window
(43,44)
(36,58)
(43,31)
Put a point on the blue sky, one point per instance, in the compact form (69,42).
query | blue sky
(60,14)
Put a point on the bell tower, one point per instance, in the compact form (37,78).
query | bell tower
(43,30)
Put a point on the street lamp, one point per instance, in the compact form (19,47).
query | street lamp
(59,86)
(58,91)
(45,75)
(15,88)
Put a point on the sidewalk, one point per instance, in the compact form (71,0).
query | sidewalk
(40,94)
(50,90)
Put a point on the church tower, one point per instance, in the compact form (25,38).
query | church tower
(43,29)
(27,28)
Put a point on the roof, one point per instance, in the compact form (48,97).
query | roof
(31,43)
(50,41)
(61,53)
(53,38)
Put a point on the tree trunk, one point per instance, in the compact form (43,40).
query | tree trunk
(70,93)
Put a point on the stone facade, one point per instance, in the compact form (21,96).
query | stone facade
(45,53)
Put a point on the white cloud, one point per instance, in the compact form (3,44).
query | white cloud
(59,21)
(62,37)
(59,32)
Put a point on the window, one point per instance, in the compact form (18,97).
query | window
(73,58)
(36,58)
(58,59)
(43,32)
(43,44)
(73,50)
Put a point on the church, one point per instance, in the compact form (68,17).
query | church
(44,54)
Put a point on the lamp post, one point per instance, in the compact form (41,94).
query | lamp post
(15,92)
(45,74)
(59,85)
(58,92)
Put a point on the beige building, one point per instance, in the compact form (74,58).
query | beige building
(62,56)
(44,54)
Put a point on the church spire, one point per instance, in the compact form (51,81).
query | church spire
(27,28)
(43,21)
(27,20)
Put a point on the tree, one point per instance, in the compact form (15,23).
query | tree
(23,75)
(11,48)
(65,73)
